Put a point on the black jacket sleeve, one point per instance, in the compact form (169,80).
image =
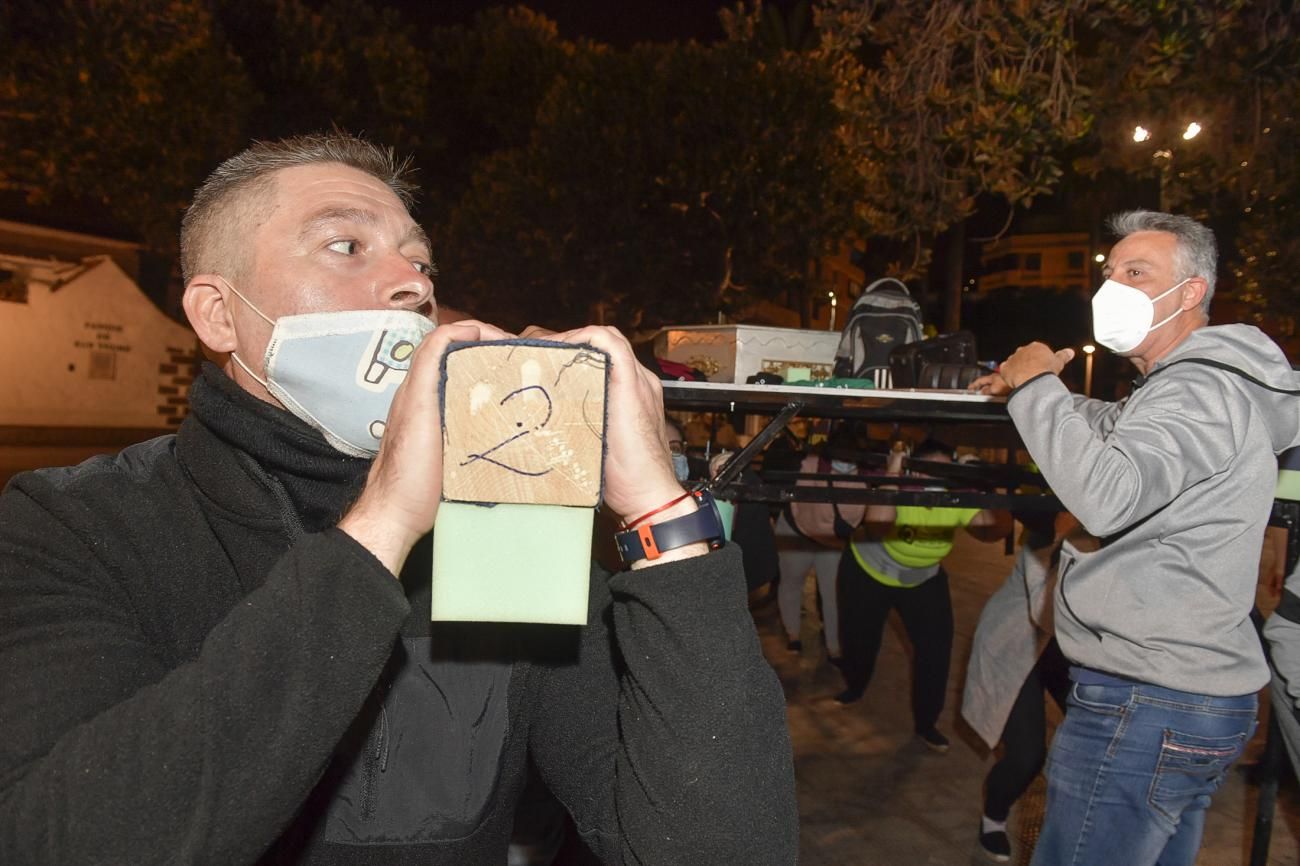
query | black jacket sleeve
(113,754)
(667,741)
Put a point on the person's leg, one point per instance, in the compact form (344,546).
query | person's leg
(1024,750)
(926,611)
(1185,844)
(1197,750)
(1131,772)
(1054,673)
(789,596)
(864,605)
(826,563)
(1024,744)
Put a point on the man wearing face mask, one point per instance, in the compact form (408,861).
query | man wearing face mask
(677,450)
(215,647)
(1177,482)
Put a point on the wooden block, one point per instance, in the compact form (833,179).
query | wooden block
(523,422)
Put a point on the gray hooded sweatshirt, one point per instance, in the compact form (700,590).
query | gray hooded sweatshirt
(1177,480)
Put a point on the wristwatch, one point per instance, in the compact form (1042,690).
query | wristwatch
(651,540)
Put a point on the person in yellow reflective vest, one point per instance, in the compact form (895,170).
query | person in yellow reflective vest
(897,566)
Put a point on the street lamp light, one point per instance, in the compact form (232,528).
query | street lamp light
(1165,155)
(1088,351)
(835,301)
(1166,166)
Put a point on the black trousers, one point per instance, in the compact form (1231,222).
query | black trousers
(926,611)
(1024,738)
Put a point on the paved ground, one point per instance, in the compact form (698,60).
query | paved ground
(871,795)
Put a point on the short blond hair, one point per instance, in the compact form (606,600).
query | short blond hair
(234,197)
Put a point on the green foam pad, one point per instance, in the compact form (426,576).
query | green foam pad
(727,512)
(1288,485)
(511,563)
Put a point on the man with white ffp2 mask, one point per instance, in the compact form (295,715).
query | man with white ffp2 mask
(1122,315)
(1177,482)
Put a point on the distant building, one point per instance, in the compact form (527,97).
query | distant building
(841,277)
(85,356)
(40,242)
(834,283)
(1054,262)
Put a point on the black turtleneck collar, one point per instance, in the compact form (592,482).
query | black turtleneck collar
(321,482)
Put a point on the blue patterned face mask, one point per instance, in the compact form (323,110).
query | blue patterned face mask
(339,371)
(681,467)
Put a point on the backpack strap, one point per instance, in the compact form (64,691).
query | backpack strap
(902,285)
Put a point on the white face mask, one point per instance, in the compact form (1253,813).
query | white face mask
(339,371)
(843,467)
(1122,315)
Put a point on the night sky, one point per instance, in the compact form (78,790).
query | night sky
(617,22)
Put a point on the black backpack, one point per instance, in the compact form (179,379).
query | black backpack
(883,318)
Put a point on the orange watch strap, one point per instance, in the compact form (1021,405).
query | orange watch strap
(645,533)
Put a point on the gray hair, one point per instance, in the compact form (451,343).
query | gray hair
(1195,255)
(228,201)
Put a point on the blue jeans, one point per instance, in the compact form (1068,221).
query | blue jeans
(1131,772)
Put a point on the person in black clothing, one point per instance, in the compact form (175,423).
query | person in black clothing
(215,646)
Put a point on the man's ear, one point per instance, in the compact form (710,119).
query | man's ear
(1194,292)
(209,314)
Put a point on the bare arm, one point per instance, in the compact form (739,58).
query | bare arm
(880,518)
(991,524)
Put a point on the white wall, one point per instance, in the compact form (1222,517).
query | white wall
(92,352)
